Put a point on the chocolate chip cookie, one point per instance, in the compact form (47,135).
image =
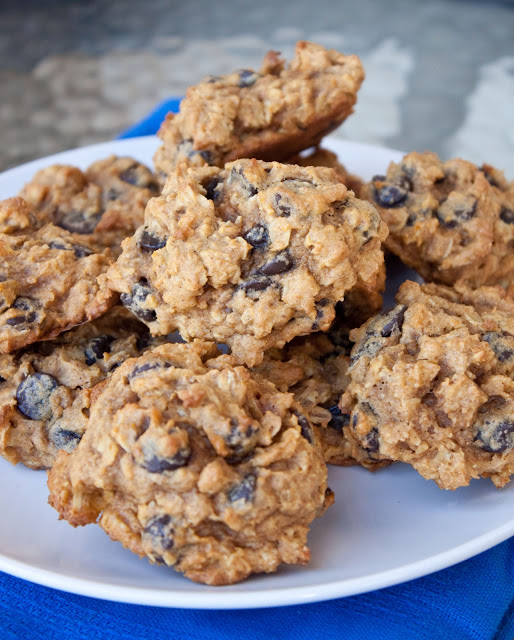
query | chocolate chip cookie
(103,204)
(250,255)
(432,384)
(48,278)
(198,464)
(271,114)
(446,220)
(39,385)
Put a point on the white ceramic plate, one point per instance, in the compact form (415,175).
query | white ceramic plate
(384,528)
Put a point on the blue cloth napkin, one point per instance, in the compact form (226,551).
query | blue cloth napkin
(473,600)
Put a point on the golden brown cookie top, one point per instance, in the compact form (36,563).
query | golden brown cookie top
(48,278)
(104,204)
(444,219)
(250,255)
(271,114)
(196,463)
(432,383)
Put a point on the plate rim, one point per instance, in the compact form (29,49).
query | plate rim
(216,597)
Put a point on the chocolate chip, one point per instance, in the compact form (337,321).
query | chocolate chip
(244,491)
(501,344)
(28,316)
(452,213)
(391,195)
(33,396)
(281,207)
(240,441)
(211,190)
(134,301)
(339,419)
(507,215)
(238,175)
(186,148)
(97,347)
(257,283)
(494,434)
(257,236)
(79,250)
(161,531)
(2,379)
(150,242)
(62,438)
(80,221)
(158,464)
(393,321)
(305,428)
(212,78)
(147,366)
(280,263)
(247,78)
(371,441)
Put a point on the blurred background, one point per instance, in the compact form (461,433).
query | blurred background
(440,73)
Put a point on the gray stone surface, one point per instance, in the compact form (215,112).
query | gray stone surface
(440,73)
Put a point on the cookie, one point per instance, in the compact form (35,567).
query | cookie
(103,204)
(41,384)
(270,115)
(320,157)
(432,384)
(198,464)
(445,220)
(251,255)
(48,278)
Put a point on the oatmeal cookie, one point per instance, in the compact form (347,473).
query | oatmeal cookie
(270,115)
(48,278)
(432,384)
(103,204)
(446,220)
(251,255)
(198,464)
(40,384)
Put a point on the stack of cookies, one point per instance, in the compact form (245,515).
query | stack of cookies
(185,349)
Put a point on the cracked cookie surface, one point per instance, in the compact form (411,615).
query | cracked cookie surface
(46,389)
(432,384)
(251,255)
(48,278)
(196,463)
(271,114)
(104,204)
(448,220)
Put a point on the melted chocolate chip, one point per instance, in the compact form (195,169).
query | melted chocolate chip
(339,419)
(244,491)
(237,174)
(96,348)
(247,78)
(134,301)
(257,236)
(494,434)
(150,242)
(393,321)
(147,366)
(371,441)
(211,190)
(160,531)
(64,439)
(391,195)
(280,263)
(305,428)
(158,464)
(80,222)
(27,316)
(507,215)
(451,215)
(257,283)
(33,396)
(501,344)
(281,207)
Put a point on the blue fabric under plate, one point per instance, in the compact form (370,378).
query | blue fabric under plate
(473,600)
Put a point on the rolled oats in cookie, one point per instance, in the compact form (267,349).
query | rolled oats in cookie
(314,368)
(48,278)
(432,384)
(250,255)
(198,464)
(445,220)
(46,388)
(271,114)
(104,204)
